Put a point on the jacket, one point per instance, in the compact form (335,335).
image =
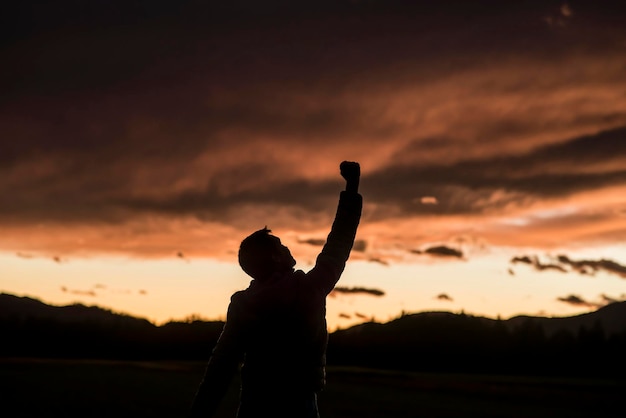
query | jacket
(278,327)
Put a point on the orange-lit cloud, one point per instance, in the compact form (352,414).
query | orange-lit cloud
(183,137)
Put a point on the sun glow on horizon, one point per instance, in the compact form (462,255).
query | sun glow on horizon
(172,289)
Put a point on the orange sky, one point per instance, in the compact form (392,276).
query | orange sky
(166,136)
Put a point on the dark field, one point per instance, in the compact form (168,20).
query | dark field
(89,388)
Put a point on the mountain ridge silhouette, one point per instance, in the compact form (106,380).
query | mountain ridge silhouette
(612,317)
(588,344)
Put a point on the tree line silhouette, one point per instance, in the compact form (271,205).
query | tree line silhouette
(426,342)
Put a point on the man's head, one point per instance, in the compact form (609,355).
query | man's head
(262,254)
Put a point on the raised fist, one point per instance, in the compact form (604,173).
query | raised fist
(351,171)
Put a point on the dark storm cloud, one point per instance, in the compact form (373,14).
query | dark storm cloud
(220,112)
(574,165)
(358,290)
(100,144)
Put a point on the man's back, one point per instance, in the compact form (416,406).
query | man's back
(285,327)
(285,341)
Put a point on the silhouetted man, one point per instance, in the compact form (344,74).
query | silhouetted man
(277,326)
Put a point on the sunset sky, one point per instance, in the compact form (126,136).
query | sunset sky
(141,141)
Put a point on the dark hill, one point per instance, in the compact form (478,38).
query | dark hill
(588,344)
(31,328)
(610,318)
(23,308)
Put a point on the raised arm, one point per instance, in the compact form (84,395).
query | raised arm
(332,260)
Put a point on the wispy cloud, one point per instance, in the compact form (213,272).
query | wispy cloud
(440,251)
(378,260)
(357,291)
(359,244)
(592,266)
(318,242)
(89,292)
(538,265)
(564,264)
(444,297)
(577,301)
(601,300)
(609,299)
(98,289)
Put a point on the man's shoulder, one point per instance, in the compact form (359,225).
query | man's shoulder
(238,295)
(239,298)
